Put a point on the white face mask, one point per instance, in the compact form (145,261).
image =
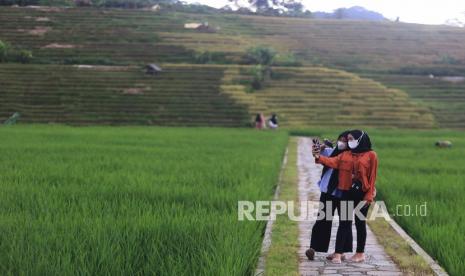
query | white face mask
(354,143)
(341,145)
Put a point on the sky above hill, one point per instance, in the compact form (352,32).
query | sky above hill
(412,11)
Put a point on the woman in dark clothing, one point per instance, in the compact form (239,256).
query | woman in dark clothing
(273,121)
(329,198)
(365,167)
(357,169)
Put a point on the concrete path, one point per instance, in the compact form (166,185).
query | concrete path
(378,262)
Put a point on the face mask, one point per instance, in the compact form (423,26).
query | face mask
(341,145)
(354,143)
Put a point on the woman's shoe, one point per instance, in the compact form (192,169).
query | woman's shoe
(310,253)
(336,261)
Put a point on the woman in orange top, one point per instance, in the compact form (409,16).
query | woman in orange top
(359,165)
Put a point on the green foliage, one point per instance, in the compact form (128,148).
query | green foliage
(9,53)
(260,55)
(19,2)
(24,56)
(71,205)
(288,59)
(258,77)
(3,51)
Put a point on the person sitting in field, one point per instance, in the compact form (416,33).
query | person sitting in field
(273,121)
(260,121)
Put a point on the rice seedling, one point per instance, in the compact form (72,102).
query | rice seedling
(132,201)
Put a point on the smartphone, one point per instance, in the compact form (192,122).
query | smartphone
(316,142)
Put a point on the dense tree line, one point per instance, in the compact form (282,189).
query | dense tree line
(262,7)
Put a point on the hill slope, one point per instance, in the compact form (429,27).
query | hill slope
(132,36)
(383,51)
(182,95)
(200,95)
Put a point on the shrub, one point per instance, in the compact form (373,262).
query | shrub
(10,54)
(286,60)
(3,51)
(260,55)
(23,56)
(258,77)
(263,58)
(19,2)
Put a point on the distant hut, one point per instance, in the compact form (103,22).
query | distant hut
(201,27)
(152,69)
(206,28)
(192,26)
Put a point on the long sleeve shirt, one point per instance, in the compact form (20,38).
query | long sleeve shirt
(324,181)
(355,166)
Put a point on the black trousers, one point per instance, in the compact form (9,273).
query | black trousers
(361,226)
(344,237)
(321,231)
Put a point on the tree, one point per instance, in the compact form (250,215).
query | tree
(260,55)
(24,56)
(3,51)
(272,7)
(339,13)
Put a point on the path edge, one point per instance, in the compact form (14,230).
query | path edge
(437,269)
(260,269)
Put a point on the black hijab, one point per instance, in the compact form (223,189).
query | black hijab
(334,179)
(364,144)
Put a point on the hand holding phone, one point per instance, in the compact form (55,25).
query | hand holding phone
(316,148)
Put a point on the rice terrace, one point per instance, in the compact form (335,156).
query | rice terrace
(158,137)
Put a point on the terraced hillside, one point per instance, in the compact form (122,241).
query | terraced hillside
(445,96)
(182,95)
(200,95)
(130,36)
(313,96)
(212,95)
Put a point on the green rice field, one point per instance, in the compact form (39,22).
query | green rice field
(132,200)
(163,201)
